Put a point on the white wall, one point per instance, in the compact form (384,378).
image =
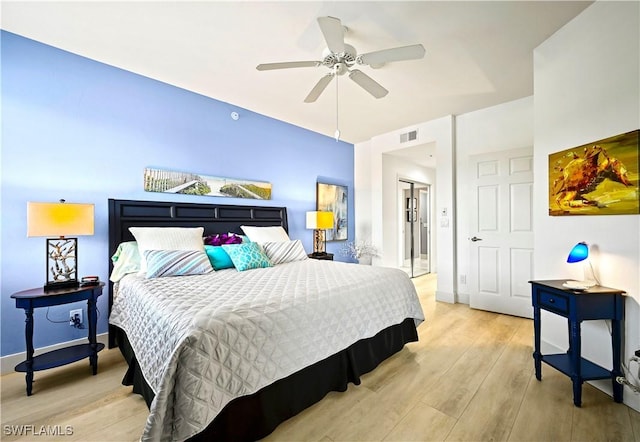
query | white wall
(586,88)
(376,203)
(498,128)
(363,197)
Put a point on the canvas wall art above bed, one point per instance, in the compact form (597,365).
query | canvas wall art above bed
(229,354)
(171,181)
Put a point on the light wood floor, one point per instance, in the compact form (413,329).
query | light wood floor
(470,378)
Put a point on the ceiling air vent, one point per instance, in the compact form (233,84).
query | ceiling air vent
(409,136)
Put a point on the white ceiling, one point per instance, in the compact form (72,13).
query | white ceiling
(478,53)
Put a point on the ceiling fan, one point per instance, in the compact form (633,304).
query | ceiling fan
(341,59)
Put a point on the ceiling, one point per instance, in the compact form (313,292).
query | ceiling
(478,54)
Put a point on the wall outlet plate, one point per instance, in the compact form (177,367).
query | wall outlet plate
(75,318)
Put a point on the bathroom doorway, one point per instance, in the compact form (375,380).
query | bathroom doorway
(416,227)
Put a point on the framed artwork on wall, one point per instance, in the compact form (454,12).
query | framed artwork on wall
(170,181)
(333,198)
(598,178)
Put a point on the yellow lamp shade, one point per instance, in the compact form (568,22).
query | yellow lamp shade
(320,220)
(59,219)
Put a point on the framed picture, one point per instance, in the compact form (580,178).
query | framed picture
(171,181)
(333,198)
(598,178)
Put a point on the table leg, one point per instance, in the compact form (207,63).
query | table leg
(93,319)
(616,345)
(575,349)
(537,356)
(28,333)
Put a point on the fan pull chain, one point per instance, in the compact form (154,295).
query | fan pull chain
(337,133)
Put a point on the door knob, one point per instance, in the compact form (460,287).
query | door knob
(474,239)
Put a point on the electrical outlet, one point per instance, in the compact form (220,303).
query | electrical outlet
(463,279)
(75,318)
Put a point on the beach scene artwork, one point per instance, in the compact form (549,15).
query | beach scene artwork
(187,183)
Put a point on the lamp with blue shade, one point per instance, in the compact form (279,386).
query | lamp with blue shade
(579,253)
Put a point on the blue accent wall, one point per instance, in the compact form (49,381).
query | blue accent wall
(84,131)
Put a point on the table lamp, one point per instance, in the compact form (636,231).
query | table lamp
(579,253)
(319,222)
(60,219)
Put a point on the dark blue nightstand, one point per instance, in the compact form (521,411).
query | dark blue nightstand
(34,298)
(577,306)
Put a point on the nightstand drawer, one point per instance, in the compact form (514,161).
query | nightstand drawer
(554,302)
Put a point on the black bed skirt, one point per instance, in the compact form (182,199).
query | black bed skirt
(252,417)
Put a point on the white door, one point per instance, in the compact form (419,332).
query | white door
(501,240)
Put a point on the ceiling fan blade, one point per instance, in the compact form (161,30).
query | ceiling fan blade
(333,32)
(368,83)
(318,88)
(411,52)
(288,64)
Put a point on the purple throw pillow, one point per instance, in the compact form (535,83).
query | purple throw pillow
(222,238)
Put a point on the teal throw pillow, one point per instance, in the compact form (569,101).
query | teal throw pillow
(247,256)
(218,257)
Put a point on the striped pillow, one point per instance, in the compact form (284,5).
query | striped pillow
(176,263)
(285,251)
(166,238)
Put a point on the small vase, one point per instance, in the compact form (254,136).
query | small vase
(365,260)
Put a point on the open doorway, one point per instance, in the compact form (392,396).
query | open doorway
(415,235)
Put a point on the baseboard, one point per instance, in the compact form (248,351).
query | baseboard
(630,399)
(445,297)
(9,362)
(462,298)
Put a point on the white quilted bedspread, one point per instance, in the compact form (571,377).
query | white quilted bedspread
(204,340)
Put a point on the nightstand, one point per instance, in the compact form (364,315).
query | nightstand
(577,306)
(324,257)
(35,298)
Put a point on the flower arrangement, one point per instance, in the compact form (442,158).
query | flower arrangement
(360,249)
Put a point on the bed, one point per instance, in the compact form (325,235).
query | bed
(229,355)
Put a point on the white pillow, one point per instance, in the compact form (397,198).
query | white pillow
(166,238)
(265,234)
(281,252)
